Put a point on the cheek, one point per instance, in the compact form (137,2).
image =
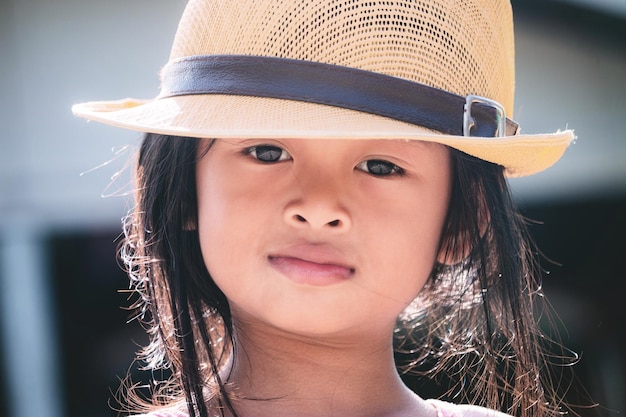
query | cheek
(223,199)
(408,241)
(233,213)
(216,214)
(219,241)
(410,258)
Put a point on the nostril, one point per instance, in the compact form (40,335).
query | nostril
(315,221)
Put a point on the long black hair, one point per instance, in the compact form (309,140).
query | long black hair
(474,318)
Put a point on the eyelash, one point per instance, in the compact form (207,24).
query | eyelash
(267,150)
(366,166)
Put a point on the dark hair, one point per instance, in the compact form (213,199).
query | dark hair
(474,317)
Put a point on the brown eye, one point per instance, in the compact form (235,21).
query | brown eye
(268,153)
(380,168)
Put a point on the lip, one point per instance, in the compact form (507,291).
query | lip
(310,264)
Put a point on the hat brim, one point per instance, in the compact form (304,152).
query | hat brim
(230,117)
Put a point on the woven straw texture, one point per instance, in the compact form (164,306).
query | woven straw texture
(451,45)
(461,46)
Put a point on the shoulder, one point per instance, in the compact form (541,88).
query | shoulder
(160,414)
(163,413)
(445,409)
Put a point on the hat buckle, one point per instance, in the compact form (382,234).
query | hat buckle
(469,122)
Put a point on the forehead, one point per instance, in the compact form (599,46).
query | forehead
(206,143)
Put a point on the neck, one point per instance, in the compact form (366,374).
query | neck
(276,374)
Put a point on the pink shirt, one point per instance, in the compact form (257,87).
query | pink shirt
(444,409)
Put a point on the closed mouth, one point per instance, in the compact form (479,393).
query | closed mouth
(315,269)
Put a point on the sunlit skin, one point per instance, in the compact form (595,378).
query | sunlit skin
(319,245)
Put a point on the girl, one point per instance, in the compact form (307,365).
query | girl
(322,182)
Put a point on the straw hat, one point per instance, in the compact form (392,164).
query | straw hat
(431,70)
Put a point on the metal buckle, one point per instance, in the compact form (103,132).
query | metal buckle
(469,122)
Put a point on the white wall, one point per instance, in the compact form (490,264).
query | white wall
(61,52)
(52,54)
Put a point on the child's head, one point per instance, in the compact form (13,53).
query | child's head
(194,218)
(358,135)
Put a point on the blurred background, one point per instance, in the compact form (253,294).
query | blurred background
(64,340)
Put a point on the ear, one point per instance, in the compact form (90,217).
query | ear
(190,225)
(190,219)
(454,249)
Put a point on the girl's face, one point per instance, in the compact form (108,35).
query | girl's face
(321,237)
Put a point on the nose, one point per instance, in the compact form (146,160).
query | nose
(318,218)
(318,206)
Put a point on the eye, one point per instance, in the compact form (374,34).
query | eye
(380,168)
(268,153)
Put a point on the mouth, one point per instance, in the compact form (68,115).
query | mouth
(311,265)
